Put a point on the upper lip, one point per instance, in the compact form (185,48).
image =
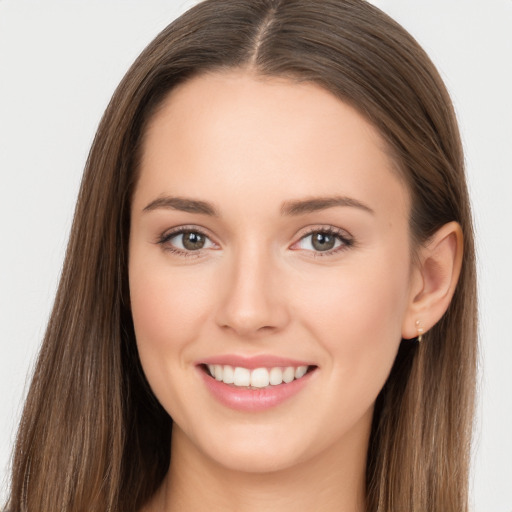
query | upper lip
(251,362)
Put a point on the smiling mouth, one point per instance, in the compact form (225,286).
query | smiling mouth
(257,378)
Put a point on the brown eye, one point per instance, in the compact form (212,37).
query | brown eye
(326,241)
(323,241)
(193,241)
(186,241)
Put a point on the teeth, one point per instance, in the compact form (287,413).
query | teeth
(276,376)
(228,376)
(300,371)
(257,378)
(288,374)
(242,377)
(260,378)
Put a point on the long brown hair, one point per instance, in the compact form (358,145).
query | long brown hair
(92,436)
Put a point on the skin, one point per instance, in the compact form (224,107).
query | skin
(249,145)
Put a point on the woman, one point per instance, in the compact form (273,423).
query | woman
(273,247)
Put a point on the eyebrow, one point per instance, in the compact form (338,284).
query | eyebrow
(289,208)
(183,204)
(315,204)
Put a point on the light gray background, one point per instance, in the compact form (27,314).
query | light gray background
(59,64)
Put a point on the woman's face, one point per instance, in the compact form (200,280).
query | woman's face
(269,236)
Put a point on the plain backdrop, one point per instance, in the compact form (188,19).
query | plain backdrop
(59,64)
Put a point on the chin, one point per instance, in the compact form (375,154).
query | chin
(247,459)
(261,448)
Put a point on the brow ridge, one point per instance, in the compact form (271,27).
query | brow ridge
(183,204)
(310,205)
(292,207)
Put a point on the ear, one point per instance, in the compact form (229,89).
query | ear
(433,280)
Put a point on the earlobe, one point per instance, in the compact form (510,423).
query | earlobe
(434,280)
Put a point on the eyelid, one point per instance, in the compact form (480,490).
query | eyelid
(169,234)
(343,235)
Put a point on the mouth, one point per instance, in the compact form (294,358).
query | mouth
(256,378)
(256,383)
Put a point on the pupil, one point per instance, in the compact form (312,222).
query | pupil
(193,241)
(323,242)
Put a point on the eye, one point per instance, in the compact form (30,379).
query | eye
(186,241)
(326,241)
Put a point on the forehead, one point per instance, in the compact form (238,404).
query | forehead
(237,135)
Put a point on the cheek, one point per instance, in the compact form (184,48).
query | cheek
(357,316)
(168,308)
(363,297)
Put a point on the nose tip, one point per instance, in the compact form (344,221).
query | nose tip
(247,324)
(252,303)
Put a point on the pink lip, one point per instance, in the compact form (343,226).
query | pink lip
(261,361)
(253,400)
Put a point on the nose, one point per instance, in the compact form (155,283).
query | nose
(252,301)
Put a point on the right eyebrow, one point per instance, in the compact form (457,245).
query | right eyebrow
(314,204)
(183,204)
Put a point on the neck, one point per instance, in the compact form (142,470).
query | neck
(332,481)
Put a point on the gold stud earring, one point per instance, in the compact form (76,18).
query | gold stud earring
(420,331)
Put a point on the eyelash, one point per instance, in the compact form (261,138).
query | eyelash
(165,237)
(341,235)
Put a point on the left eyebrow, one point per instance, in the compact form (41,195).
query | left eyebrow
(303,206)
(183,204)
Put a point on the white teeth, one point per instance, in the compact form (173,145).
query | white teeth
(276,376)
(218,372)
(300,371)
(260,378)
(228,376)
(257,378)
(288,374)
(242,377)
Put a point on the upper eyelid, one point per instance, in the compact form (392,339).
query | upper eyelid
(184,229)
(164,239)
(343,233)
(309,229)
(326,228)
(172,232)
(169,234)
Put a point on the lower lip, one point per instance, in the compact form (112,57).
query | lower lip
(254,400)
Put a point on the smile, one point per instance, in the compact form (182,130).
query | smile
(256,378)
(257,383)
